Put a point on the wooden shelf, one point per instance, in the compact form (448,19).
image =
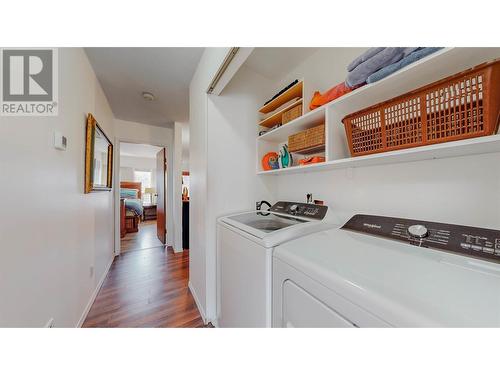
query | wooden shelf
(312,150)
(281,134)
(296,91)
(473,146)
(276,118)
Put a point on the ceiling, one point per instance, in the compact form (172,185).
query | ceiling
(138,150)
(124,73)
(275,62)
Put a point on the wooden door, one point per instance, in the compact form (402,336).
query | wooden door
(161,168)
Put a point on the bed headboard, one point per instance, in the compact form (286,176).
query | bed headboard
(132,185)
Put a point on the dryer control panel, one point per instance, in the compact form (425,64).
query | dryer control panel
(470,241)
(310,211)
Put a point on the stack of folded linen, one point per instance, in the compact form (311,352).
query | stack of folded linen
(372,66)
(416,55)
(380,62)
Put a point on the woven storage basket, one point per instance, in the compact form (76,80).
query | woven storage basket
(291,114)
(309,140)
(297,141)
(461,106)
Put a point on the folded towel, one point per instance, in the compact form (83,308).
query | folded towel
(377,61)
(411,58)
(365,56)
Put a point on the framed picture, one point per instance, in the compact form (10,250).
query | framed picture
(98,158)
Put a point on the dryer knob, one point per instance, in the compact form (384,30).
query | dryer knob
(293,209)
(418,231)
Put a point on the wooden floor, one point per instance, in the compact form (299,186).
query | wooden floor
(143,239)
(146,288)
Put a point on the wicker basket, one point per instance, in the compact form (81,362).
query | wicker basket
(297,141)
(464,105)
(291,114)
(307,141)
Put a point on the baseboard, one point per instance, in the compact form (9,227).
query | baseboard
(197,301)
(94,295)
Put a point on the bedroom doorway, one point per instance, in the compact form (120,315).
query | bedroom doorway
(142,196)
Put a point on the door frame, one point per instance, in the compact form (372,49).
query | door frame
(116,184)
(161,156)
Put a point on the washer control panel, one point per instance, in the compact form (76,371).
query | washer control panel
(311,211)
(470,241)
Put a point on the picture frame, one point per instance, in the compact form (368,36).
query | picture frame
(98,158)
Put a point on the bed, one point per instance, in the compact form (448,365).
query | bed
(131,192)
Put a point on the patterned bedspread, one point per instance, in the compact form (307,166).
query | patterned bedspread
(134,206)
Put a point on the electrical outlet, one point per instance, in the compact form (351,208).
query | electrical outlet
(91,271)
(50,323)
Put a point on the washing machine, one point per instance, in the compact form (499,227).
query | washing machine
(379,271)
(245,244)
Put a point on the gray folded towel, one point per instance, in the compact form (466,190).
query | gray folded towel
(373,60)
(410,59)
(363,57)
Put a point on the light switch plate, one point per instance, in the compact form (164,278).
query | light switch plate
(60,141)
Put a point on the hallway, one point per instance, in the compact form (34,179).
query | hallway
(146,288)
(145,238)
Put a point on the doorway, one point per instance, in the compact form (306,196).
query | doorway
(142,184)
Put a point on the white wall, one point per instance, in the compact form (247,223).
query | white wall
(222,166)
(137,162)
(134,132)
(461,190)
(209,63)
(321,71)
(51,233)
(177,188)
(185,146)
(129,164)
(126,174)
(232,183)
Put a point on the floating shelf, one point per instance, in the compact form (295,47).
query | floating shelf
(296,91)
(441,64)
(276,118)
(473,146)
(281,134)
(432,68)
